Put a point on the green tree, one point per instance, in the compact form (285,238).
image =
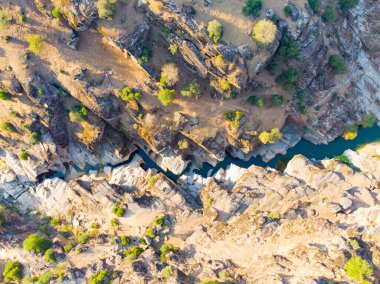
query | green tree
(36,43)
(166,96)
(215,30)
(132,254)
(24,155)
(56,12)
(78,113)
(5,96)
(358,268)
(264,32)
(256,101)
(125,240)
(165,249)
(277,100)
(348,4)
(100,277)
(336,62)
(271,137)
(130,94)
(253,8)
(13,271)
(193,89)
(106,8)
(118,210)
(36,243)
(330,15)
(45,277)
(34,138)
(315,5)
(83,238)
(50,256)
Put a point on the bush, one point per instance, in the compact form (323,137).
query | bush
(5,96)
(358,268)
(277,100)
(45,277)
(336,62)
(160,220)
(22,18)
(215,30)
(130,94)
(24,155)
(302,101)
(193,89)
(354,243)
(36,243)
(165,249)
(56,12)
(256,101)
(115,223)
(329,15)
(369,120)
(166,96)
(233,117)
(100,277)
(289,48)
(315,5)
(118,210)
(78,113)
(13,271)
(183,144)
(287,10)
(169,75)
(150,232)
(125,240)
(350,132)
(36,43)
(288,79)
(173,48)
(166,272)
(34,138)
(95,225)
(132,254)
(4,20)
(50,256)
(106,8)
(83,238)
(8,127)
(68,247)
(264,32)
(348,4)
(271,137)
(253,8)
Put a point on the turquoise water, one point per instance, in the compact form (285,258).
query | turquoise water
(309,150)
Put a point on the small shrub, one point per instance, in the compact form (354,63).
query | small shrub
(95,225)
(167,272)
(34,138)
(287,10)
(125,240)
(315,5)
(277,100)
(336,62)
(256,101)
(273,68)
(289,48)
(160,220)
(79,250)
(369,120)
(264,32)
(8,127)
(13,271)
(169,75)
(215,30)
(132,254)
(130,94)
(193,89)
(348,4)
(100,277)
(358,268)
(106,8)
(5,96)
(36,243)
(330,15)
(24,155)
(78,113)
(115,223)
(350,132)
(118,210)
(219,60)
(145,56)
(165,249)
(56,12)
(45,277)
(83,238)
(183,144)
(22,18)
(142,241)
(36,43)
(288,79)
(68,247)
(253,8)
(7,38)
(234,117)
(150,232)
(271,137)
(173,48)
(166,96)
(50,256)
(225,85)
(56,221)
(354,244)
(4,20)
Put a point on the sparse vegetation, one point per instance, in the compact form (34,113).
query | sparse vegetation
(166,96)
(271,137)
(101,277)
(130,94)
(348,4)
(36,43)
(36,243)
(358,268)
(369,120)
(330,15)
(78,113)
(24,155)
(4,20)
(315,5)
(95,225)
(165,249)
(234,118)
(83,238)
(253,8)
(336,62)
(264,32)
(125,240)
(169,75)
(215,30)
(115,223)
(8,127)
(350,132)
(13,271)
(193,89)
(106,8)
